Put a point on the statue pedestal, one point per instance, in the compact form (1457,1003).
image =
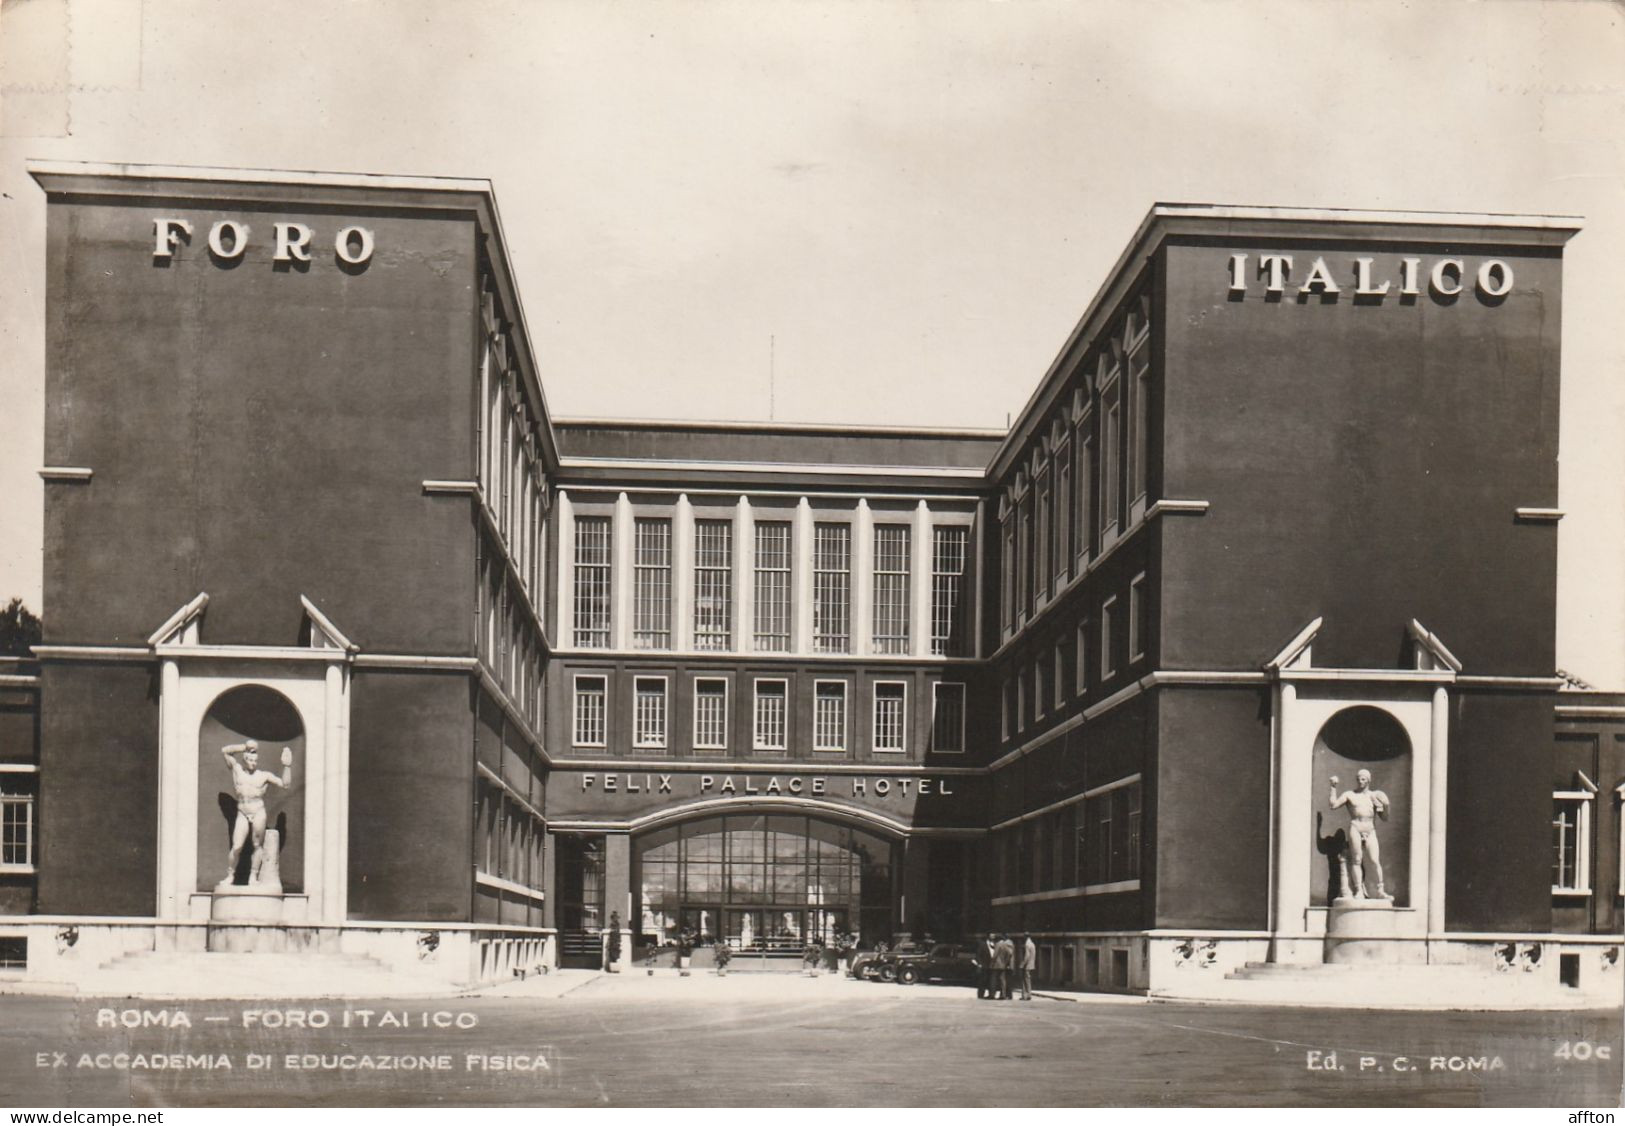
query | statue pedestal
(1372,932)
(247,903)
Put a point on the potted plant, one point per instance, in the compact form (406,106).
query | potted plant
(685,950)
(724,954)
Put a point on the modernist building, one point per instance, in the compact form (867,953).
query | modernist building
(1282,509)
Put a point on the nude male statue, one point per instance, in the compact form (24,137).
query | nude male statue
(1364,805)
(251,784)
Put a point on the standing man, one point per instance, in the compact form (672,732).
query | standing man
(1029,963)
(251,782)
(1364,805)
(1004,959)
(985,951)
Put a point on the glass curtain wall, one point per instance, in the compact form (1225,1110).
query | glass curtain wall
(764,883)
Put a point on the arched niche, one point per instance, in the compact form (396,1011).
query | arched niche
(250,711)
(1362,737)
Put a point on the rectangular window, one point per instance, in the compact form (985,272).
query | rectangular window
(1007,573)
(770,715)
(891,588)
(1060,681)
(947,590)
(651,584)
(1108,626)
(1024,555)
(948,718)
(710,715)
(1110,447)
(1138,618)
(773,586)
(1007,700)
(1571,843)
(17,824)
(713,584)
(829,716)
(1063,512)
(832,588)
(1109,841)
(890,699)
(649,712)
(589,711)
(1086,489)
(592,581)
(1139,374)
(1043,550)
(1039,677)
(1081,682)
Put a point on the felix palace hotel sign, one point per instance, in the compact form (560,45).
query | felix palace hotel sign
(770,785)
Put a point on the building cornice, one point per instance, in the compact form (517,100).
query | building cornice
(1166,221)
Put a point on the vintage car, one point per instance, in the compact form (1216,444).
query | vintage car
(940,962)
(876,965)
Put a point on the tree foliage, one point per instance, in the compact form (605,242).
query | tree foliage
(19,630)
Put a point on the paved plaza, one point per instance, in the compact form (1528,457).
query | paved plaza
(582,1040)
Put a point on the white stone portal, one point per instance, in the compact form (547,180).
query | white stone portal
(1305,700)
(315,681)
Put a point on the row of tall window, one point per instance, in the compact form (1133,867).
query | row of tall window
(1084,480)
(1090,843)
(770,716)
(511,837)
(511,477)
(510,643)
(713,624)
(1059,672)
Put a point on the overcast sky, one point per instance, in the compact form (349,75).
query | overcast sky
(913,201)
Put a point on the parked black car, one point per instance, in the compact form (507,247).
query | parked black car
(942,962)
(874,965)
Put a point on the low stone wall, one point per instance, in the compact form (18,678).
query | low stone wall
(66,949)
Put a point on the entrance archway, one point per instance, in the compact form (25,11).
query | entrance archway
(764,882)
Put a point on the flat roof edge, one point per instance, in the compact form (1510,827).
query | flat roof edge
(863,430)
(268,176)
(1506,220)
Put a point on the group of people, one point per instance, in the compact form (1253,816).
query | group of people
(999,961)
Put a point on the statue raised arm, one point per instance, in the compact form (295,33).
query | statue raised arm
(251,783)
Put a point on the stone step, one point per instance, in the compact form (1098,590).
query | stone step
(1332,971)
(193,974)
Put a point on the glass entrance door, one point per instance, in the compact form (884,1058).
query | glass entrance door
(765,883)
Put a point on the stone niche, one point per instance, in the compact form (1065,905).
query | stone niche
(1362,737)
(250,711)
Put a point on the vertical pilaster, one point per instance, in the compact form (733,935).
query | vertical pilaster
(863,580)
(682,575)
(1439,774)
(172,891)
(331,905)
(566,524)
(744,577)
(618,891)
(972,588)
(801,567)
(1292,829)
(912,905)
(919,591)
(620,579)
